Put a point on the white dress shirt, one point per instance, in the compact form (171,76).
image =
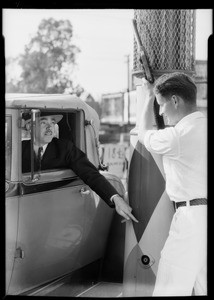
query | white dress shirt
(184,151)
(36,148)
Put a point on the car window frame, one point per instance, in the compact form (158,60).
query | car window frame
(54,175)
(8,149)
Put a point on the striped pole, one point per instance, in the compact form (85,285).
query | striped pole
(168,38)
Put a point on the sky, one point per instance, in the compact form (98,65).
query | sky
(105,37)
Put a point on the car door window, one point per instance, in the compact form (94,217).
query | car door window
(8,146)
(70,127)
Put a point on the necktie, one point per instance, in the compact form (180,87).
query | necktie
(40,151)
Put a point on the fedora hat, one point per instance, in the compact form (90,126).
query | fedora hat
(27,116)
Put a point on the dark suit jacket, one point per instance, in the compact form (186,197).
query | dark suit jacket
(62,153)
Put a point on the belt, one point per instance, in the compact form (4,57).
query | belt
(198,201)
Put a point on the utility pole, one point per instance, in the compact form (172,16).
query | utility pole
(128,85)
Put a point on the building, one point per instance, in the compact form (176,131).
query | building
(89,99)
(120,108)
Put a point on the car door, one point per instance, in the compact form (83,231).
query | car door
(50,231)
(51,221)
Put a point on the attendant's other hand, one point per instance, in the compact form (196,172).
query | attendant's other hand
(148,89)
(123,208)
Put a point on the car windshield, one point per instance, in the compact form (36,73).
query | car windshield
(8,146)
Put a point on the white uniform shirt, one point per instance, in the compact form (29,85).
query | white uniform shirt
(184,150)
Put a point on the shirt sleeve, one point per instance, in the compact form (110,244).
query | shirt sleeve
(81,165)
(163,141)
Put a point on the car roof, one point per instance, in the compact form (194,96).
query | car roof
(49,101)
(44,100)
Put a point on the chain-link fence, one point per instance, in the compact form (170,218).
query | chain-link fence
(168,36)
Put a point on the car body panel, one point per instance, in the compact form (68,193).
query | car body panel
(55,224)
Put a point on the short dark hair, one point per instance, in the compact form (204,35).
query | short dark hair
(176,83)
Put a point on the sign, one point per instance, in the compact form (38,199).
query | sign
(114,156)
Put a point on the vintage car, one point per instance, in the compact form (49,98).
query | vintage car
(55,224)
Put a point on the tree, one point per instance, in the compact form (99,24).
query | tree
(48,62)
(13,71)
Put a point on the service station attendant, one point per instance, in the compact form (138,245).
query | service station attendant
(183,147)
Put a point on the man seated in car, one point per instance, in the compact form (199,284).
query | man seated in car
(51,152)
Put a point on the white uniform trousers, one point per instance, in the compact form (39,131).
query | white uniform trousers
(183,263)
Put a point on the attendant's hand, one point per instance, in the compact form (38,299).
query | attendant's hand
(146,118)
(123,208)
(148,89)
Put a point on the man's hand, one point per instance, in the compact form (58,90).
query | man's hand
(123,209)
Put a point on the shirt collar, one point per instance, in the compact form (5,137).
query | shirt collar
(44,147)
(189,118)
